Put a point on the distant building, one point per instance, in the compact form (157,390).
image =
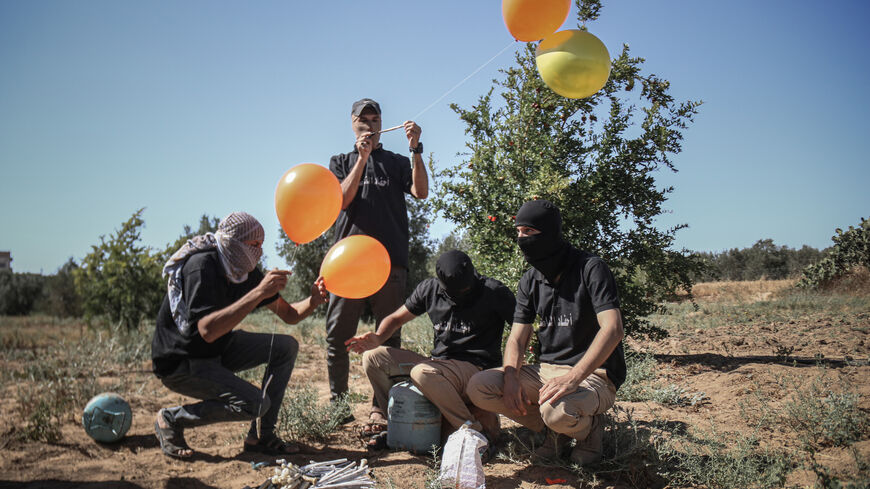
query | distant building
(5,260)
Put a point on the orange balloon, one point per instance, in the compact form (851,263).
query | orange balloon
(530,20)
(355,267)
(307,200)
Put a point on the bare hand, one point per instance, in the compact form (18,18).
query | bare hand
(274,282)
(555,388)
(364,145)
(515,398)
(412,132)
(319,295)
(363,342)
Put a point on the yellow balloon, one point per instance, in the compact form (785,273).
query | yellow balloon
(573,63)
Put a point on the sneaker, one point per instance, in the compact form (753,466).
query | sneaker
(554,446)
(589,450)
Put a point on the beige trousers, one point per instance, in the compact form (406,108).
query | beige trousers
(571,415)
(443,382)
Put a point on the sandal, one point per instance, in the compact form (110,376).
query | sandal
(272,445)
(373,428)
(171,441)
(377,442)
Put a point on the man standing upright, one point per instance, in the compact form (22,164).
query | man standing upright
(374,182)
(582,361)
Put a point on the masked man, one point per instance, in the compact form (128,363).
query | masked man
(374,182)
(213,284)
(574,296)
(468,312)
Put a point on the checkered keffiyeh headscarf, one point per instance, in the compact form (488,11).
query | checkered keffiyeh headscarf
(237,258)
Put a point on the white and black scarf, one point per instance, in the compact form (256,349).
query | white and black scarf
(238,259)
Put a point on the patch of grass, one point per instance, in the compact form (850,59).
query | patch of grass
(55,380)
(674,395)
(640,384)
(519,447)
(302,417)
(718,460)
(820,416)
(640,372)
(659,453)
(45,405)
(783,306)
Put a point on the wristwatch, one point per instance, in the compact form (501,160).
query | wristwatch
(418,150)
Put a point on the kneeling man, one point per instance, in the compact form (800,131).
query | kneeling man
(582,362)
(213,284)
(469,313)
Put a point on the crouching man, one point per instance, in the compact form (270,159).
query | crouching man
(213,284)
(468,312)
(574,295)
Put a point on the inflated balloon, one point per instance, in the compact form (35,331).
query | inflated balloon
(530,20)
(355,267)
(573,63)
(307,200)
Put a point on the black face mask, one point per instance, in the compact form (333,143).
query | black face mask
(546,251)
(457,277)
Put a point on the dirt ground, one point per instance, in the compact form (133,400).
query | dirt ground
(728,366)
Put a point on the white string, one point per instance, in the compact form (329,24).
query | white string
(269,379)
(463,81)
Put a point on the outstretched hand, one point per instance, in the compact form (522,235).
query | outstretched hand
(319,294)
(363,342)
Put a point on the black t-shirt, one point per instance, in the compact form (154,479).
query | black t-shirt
(378,209)
(206,290)
(568,311)
(472,332)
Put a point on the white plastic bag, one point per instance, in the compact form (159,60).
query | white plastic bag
(461,467)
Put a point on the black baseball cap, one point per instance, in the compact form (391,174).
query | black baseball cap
(361,105)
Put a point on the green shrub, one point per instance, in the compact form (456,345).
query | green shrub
(19,292)
(820,416)
(60,298)
(714,461)
(764,260)
(302,417)
(120,279)
(851,248)
(640,371)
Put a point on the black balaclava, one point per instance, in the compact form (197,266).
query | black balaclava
(545,251)
(457,277)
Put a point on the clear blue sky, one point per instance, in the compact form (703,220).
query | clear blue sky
(196,107)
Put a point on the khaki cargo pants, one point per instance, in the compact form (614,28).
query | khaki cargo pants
(571,415)
(443,382)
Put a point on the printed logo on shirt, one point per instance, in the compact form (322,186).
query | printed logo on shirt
(376,181)
(453,325)
(561,320)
